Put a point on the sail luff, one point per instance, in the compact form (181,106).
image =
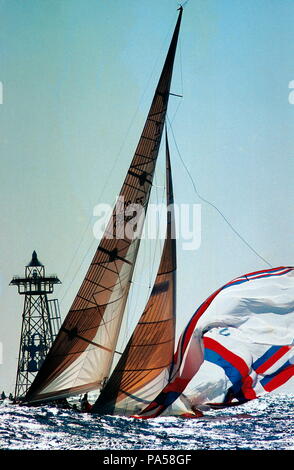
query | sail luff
(148,356)
(82,353)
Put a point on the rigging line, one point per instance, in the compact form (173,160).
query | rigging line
(151,266)
(76,251)
(135,296)
(181,85)
(181,67)
(183,4)
(78,270)
(213,205)
(137,109)
(83,259)
(74,258)
(117,157)
(158,243)
(134,299)
(155,193)
(148,251)
(176,111)
(125,328)
(131,293)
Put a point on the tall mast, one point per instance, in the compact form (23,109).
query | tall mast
(143,369)
(81,356)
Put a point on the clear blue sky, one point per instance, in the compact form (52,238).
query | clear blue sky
(78,77)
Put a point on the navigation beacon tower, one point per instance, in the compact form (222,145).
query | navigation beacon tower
(40,322)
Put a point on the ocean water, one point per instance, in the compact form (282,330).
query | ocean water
(263,424)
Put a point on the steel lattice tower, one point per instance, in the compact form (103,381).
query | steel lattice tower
(40,322)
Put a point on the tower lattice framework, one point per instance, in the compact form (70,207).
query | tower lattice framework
(40,322)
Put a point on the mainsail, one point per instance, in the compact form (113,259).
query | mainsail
(143,369)
(81,356)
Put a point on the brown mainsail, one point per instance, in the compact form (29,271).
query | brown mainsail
(144,366)
(81,356)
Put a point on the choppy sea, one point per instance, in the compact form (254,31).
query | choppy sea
(263,424)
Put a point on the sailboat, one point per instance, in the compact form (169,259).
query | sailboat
(81,357)
(149,377)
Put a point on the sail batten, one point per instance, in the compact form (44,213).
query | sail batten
(95,317)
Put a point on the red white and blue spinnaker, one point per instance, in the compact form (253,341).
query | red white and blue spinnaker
(246,327)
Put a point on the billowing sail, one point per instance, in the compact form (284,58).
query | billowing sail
(238,369)
(260,306)
(82,354)
(143,369)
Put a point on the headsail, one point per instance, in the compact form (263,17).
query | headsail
(143,369)
(82,354)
